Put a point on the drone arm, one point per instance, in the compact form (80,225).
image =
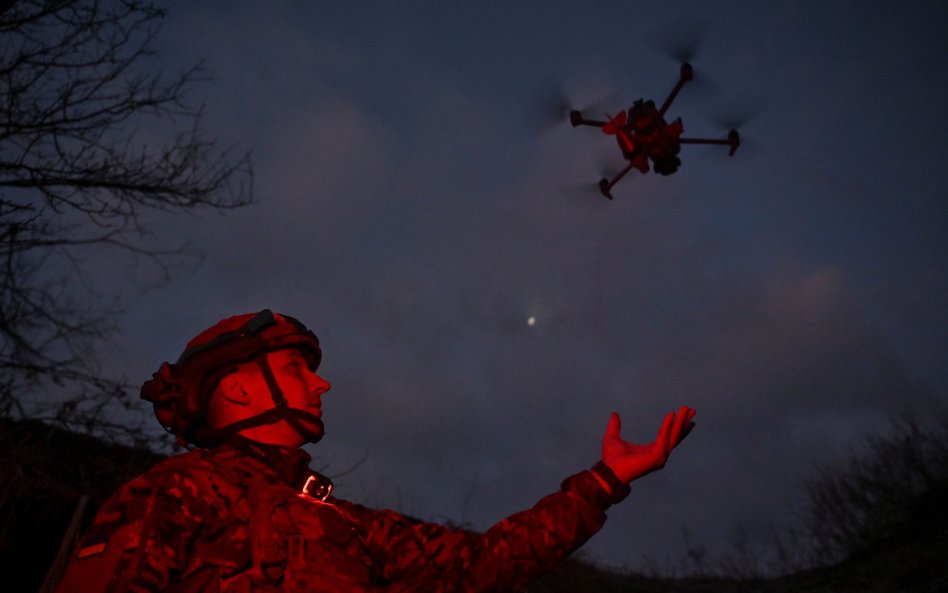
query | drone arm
(576,118)
(733,140)
(687,73)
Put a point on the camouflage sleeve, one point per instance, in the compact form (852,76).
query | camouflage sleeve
(140,538)
(426,557)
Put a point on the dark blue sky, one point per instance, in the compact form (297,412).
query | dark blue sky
(412,213)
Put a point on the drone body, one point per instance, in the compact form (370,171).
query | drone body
(643,135)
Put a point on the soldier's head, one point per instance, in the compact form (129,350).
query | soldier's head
(252,374)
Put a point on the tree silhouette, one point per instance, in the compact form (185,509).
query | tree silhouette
(92,137)
(891,494)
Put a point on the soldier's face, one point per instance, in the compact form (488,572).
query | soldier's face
(248,395)
(302,387)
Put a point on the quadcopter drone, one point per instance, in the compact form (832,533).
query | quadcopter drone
(644,135)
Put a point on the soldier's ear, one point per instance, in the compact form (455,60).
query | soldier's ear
(232,388)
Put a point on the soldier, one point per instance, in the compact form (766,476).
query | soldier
(242,512)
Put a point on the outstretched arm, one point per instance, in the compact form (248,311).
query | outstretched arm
(629,461)
(416,555)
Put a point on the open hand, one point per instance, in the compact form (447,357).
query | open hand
(630,461)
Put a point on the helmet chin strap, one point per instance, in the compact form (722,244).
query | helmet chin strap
(293,416)
(280,411)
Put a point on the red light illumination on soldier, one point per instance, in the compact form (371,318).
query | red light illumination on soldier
(243,512)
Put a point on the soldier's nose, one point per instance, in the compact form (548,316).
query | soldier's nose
(318,385)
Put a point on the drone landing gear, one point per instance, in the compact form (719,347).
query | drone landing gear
(605,185)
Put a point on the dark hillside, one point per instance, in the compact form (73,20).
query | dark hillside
(44,471)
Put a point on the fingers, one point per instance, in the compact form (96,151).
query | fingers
(615,424)
(614,427)
(675,428)
(689,424)
(683,425)
(663,440)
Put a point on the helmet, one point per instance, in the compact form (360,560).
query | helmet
(180,391)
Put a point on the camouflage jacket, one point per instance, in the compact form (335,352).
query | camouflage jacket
(244,518)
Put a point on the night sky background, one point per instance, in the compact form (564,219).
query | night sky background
(416,206)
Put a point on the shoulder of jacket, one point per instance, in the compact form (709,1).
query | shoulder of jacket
(191,462)
(193,474)
(202,476)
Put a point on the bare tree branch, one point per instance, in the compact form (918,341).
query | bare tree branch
(92,137)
